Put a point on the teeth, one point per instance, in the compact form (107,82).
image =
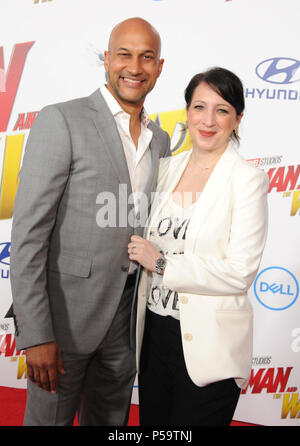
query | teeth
(131,80)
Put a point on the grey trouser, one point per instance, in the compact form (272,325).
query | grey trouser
(97,385)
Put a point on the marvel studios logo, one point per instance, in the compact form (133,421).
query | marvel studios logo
(266,161)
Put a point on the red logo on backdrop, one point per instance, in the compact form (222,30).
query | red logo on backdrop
(8,349)
(276,381)
(10,81)
(271,380)
(285,179)
(10,78)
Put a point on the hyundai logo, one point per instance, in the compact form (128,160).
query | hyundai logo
(276,288)
(5,253)
(279,70)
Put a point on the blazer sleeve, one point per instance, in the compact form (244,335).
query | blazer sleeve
(44,175)
(234,272)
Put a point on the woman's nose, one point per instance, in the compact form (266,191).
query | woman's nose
(208,118)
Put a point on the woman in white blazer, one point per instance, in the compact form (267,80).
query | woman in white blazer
(201,253)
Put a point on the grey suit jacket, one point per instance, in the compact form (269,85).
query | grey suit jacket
(67,273)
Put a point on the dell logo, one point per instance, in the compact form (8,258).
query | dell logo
(276,288)
(279,70)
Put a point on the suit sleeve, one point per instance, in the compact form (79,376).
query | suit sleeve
(44,175)
(165,142)
(233,273)
(167,151)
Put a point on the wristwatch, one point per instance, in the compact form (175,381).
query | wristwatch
(160,265)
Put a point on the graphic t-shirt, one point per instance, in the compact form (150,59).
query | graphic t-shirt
(167,234)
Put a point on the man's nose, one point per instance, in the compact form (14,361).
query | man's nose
(135,66)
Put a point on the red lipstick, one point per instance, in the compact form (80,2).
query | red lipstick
(206,134)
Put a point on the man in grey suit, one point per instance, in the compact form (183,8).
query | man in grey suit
(72,280)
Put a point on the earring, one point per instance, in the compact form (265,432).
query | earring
(236,132)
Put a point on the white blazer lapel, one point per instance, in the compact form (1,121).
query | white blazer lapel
(168,179)
(215,184)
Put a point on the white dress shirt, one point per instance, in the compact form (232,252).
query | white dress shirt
(138,158)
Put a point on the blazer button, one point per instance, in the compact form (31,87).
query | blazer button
(184,299)
(124,269)
(187,336)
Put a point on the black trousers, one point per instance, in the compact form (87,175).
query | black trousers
(167,395)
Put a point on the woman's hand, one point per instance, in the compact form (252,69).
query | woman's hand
(142,251)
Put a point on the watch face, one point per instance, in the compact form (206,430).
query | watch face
(161,262)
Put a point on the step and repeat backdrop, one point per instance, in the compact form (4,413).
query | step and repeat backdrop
(52,50)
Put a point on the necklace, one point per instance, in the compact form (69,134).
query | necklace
(206,167)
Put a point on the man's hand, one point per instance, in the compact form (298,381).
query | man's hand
(44,362)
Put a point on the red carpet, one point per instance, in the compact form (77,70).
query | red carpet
(12,405)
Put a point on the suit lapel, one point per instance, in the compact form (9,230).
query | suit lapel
(155,152)
(108,133)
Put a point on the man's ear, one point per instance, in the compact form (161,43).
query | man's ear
(106,60)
